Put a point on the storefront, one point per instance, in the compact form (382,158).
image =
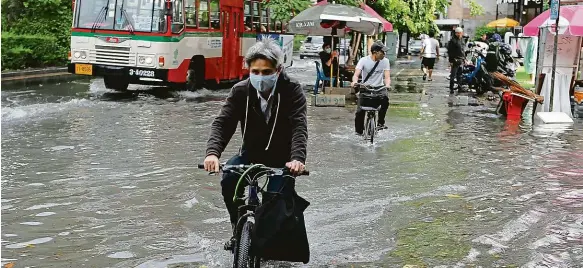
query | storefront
(523,10)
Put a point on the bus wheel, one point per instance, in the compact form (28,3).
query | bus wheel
(196,74)
(192,82)
(116,83)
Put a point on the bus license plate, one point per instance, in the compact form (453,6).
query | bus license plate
(142,73)
(86,69)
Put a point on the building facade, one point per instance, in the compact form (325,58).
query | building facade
(520,10)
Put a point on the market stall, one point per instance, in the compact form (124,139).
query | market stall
(333,20)
(566,64)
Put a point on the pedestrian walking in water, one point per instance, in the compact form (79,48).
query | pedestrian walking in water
(429,54)
(456,52)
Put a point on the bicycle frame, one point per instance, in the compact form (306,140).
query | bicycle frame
(246,213)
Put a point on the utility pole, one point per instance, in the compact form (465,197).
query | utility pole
(554,4)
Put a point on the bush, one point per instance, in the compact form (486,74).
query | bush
(485,30)
(16,57)
(297,41)
(34,22)
(26,51)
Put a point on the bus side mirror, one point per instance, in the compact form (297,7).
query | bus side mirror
(168,10)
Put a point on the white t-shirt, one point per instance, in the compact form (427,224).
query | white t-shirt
(430,46)
(377,79)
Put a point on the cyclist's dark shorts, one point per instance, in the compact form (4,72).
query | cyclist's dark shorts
(429,62)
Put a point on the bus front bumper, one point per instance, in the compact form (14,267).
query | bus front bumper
(132,73)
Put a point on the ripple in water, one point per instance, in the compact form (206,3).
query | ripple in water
(40,110)
(121,255)
(44,214)
(31,223)
(31,242)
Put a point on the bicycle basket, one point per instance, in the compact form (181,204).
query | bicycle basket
(373,100)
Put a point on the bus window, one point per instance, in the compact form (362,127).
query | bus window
(177,17)
(203,14)
(248,19)
(264,19)
(190,13)
(215,14)
(255,14)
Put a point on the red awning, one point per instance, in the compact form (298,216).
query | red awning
(387,26)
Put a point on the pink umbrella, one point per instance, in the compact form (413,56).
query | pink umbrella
(570,22)
(387,26)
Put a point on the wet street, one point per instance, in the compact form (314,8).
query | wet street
(92,178)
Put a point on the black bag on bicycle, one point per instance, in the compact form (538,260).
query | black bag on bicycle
(369,99)
(280,231)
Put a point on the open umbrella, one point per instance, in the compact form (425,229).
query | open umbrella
(503,23)
(327,20)
(387,26)
(570,22)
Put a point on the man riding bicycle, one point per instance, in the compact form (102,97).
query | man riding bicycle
(272,111)
(376,74)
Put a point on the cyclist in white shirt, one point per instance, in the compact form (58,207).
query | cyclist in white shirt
(375,69)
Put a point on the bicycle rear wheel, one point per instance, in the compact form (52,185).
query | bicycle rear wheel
(243,254)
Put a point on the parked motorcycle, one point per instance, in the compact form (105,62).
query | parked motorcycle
(474,72)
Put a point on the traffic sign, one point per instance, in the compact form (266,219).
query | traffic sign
(555,9)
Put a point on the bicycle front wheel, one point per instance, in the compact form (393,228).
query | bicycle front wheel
(371,129)
(243,256)
(366,131)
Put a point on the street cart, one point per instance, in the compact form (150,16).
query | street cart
(333,20)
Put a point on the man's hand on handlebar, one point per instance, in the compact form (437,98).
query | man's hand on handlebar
(295,167)
(211,164)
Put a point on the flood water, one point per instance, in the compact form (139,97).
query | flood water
(92,178)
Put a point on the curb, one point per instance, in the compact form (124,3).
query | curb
(38,76)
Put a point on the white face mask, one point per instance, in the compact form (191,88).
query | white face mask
(328,50)
(263,82)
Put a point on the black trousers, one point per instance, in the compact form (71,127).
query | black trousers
(456,73)
(359,116)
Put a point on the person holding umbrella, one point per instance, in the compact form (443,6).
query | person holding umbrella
(330,64)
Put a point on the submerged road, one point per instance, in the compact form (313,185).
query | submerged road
(92,178)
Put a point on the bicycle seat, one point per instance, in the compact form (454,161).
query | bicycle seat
(364,108)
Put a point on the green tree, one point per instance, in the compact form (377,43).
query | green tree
(414,16)
(475,8)
(286,9)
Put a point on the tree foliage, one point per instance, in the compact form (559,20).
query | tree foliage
(475,8)
(415,16)
(40,18)
(286,9)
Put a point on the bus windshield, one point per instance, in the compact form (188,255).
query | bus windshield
(121,15)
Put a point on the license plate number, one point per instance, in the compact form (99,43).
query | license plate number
(143,73)
(86,69)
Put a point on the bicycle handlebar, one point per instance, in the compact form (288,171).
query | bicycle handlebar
(225,167)
(369,88)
